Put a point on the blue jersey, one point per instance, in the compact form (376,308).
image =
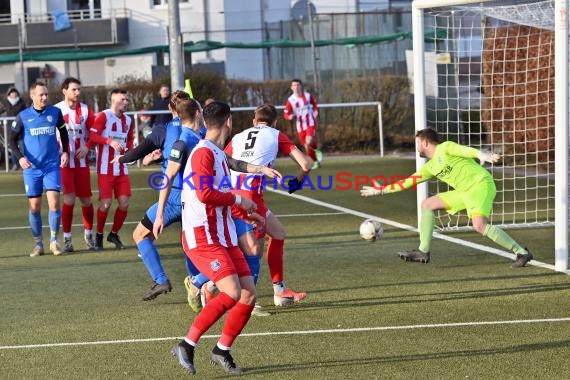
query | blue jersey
(181,149)
(38,128)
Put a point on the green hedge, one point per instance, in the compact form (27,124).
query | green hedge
(343,130)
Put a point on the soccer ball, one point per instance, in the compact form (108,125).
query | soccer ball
(371,230)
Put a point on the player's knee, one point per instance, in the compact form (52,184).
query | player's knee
(247,297)
(124,205)
(140,233)
(105,205)
(234,293)
(85,202)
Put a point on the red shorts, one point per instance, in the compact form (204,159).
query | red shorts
(76,180)
(238,212)
(310,131)
(120,184)
(217,262)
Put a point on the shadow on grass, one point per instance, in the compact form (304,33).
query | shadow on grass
(288,367)
(423,298)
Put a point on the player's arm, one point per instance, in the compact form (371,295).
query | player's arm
(454,149)
(64,137)
(202,162)
(288,111)
(95,133)
(315,107)
(153,142)
(82,151)
(403,184)
(178,155)
(244,167)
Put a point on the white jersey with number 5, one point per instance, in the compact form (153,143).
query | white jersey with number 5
(258,145)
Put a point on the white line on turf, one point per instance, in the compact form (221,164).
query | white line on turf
(23,195)
(450,239)
(301,332)
(109,223)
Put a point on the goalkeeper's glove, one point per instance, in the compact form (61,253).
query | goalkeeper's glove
(489,157)
(294,184)
(370,191)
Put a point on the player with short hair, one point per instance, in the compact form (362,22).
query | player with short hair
(158,145)
(112,134)
(75,177)
(209,239)
(302,106)
(260,145)
(41,161)
(473,190)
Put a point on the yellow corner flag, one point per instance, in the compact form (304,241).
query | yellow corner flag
(188,88)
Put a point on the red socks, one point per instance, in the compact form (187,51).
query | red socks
(101,219)
(87,213)
(275,259)
(235,322)
(66,217)
(209,315)
(119,219)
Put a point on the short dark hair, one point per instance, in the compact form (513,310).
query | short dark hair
(296,80)
(118,91)
(216,114)
(429,135)
(186,109)
(37,84)
(69,80)
(266,113)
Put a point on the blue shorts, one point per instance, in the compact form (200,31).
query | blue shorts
(242,227)
(172,209)
(36,180)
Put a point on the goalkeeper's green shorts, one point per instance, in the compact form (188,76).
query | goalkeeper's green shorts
(477,201)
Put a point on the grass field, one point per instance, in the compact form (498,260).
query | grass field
(368,315)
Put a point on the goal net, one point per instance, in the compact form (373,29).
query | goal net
(489,82)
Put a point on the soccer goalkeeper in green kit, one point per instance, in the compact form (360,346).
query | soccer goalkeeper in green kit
(473,190)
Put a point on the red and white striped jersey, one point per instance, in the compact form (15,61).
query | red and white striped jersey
(258,145)
(206,198)
(302,107)
(107,127)
(78,122)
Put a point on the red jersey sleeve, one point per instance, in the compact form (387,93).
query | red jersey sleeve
(203,166)
(229,149)
(286,146)
(89,123)
(96,130)
(314,103)
(288,112)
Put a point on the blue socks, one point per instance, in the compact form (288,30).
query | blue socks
(54,218)
(36,224)
(151,260)
(254,266)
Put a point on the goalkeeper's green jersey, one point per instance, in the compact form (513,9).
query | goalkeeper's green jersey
(451,163)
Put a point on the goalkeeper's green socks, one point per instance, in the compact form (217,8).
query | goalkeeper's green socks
(503,239)
(427,225)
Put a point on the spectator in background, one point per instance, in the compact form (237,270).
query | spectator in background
(11,105)
(145,126)
(161,104)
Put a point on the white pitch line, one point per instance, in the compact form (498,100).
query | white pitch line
(109,223)
(23,195)
(301,332)
(450,239)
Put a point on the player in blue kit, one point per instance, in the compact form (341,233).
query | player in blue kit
(159,143)
(41,161)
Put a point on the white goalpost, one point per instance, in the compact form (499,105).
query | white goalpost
(494,75)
